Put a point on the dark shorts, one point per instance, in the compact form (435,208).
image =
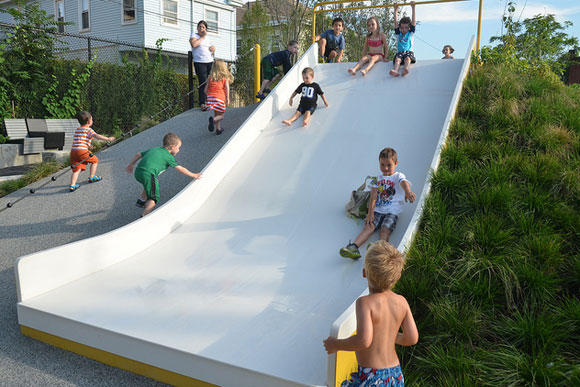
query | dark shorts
(150,184)
(385,220)
(405,54)
(268,71)
(382,377)
(303,109)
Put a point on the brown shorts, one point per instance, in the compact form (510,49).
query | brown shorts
(78,156)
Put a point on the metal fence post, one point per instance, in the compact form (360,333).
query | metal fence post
(190,79)
(90,88)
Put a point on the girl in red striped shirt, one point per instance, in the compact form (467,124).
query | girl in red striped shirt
(217,89)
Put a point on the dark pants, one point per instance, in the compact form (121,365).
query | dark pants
(202,71)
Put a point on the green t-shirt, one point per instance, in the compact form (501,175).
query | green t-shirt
(156,160)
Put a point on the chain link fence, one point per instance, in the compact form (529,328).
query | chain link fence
(127,83)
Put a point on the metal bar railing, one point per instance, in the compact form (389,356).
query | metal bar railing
(321,4)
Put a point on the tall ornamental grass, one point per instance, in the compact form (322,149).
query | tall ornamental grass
(493,276)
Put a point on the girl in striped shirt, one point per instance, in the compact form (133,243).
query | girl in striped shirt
(80,155)
(217,89)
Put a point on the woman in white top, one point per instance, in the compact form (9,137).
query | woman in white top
(203,52)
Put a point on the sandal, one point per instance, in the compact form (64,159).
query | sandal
(95,178)
(219,131)
(73,188)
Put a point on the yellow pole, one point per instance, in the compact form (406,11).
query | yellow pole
(479,28)
(257,77)
(313,26)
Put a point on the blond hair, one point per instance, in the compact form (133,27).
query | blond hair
(219,71)
(383,266)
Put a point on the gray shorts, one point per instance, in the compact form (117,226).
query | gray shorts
(385,220)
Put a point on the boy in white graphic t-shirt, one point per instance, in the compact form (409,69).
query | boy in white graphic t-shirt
(389,191)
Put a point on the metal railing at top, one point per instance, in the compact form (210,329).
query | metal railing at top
(322,4)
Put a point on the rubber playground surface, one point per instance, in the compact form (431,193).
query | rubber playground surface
(53,217)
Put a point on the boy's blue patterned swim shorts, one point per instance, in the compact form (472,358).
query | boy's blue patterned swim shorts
(372,377)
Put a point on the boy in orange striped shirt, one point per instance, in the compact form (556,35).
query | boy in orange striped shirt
(80,155)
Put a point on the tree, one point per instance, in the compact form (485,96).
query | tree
(293,19)
(29,50)
(255,29)
(537,40)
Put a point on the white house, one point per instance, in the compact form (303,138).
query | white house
(144,22)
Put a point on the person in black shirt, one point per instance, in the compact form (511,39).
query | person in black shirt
(309,92)
(271,61)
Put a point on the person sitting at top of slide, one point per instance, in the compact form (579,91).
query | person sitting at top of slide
(405,32)
(332,41)
(376,47)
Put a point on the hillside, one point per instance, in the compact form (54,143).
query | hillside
(493,276)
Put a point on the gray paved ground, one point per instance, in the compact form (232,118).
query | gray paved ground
(53,217)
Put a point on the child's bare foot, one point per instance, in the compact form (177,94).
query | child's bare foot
(394,73)
(405,72)
(287,122)
(352,71)
(305,123)
(363,72)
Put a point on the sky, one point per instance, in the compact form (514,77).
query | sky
(455,23)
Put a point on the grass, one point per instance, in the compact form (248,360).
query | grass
(493,275)
(37,173)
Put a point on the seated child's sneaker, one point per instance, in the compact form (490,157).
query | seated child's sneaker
(350,251)
(95,178)
(140,203)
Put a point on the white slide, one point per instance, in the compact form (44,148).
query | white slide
(237,280)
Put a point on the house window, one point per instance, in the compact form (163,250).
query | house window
(170,12)
(212,19)
(129,11)
(59,5)
(85,17)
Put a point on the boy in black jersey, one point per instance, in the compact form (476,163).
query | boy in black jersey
(309,95)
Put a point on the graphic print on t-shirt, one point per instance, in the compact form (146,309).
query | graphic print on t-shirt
(385,191)
(309,94)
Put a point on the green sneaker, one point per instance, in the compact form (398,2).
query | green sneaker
(369,245)
(350,251)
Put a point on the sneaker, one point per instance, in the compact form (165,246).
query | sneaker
(210,126)
(73,188)
(350,251)
(140,203)
(260,96)
(267,91)
(369,245)
(219,131)
(95,178)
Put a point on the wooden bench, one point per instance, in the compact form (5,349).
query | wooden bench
(68,126)
(39,128)
(17,131)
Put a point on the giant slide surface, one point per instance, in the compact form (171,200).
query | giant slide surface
(237,280)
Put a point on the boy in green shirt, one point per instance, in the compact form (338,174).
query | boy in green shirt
(153,162)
